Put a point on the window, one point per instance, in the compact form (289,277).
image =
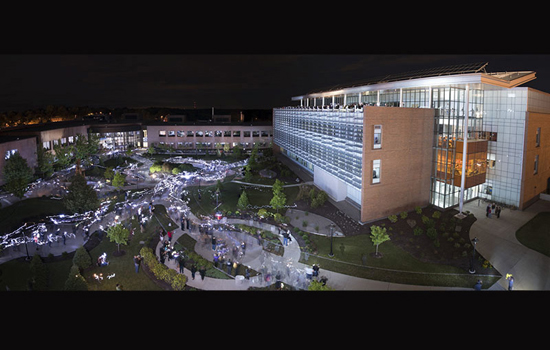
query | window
(171,133)
(537,138)
(190,133)
(199,134)
(181,133)
(218,133)
(246,133)
(10,153)
(227,133)
(162,133)
(208,133)
(376,171)
(237,133)
(536,164)
(377,136)
(46,145)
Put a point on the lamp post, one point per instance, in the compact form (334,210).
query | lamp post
(472,269)
(331,254)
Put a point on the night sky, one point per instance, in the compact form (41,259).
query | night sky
(213,80)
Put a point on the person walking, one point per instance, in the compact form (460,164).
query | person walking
(499,208)
(169,236)
(202,272)
(193,271)
(213,242)
(487,210)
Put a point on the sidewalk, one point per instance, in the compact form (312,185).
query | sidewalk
(498,244)
(336,281)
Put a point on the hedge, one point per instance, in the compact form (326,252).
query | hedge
(162,272)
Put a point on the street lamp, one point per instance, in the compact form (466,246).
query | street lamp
(472,269)
(331,254)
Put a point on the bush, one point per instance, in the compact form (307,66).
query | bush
(436,215)
(393,218)
(404,214)
(161,271)
(418,209)
(431,232)
(82,258)
(418,231)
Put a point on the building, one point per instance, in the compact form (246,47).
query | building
(132,131)
(395,142)
(209,136)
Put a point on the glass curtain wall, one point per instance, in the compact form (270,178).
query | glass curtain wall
(330,139)
(449,103)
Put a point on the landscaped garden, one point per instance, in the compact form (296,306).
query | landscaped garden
(535,233)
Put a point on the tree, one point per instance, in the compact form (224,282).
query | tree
(63,155)
(75,281)
(83,148)
(118,234)
(82,258)
(378,236)
(243,201)
(17,175)
(39,273)
(118,180)
(109,174)
(81,197)
(279,198)
(45,162)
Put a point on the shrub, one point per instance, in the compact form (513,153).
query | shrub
(393,218)
(436,215)
(418,209)
(82,258)
(431,232)
(304,223)
(418,231)
(404,214)
(161,271)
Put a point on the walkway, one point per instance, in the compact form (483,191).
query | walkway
(498,244)
(336,281)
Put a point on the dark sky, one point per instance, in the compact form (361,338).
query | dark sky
(212,80)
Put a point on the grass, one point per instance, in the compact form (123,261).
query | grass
(15,215)
(16,273)
(396,265)
(230,195)
(535,233)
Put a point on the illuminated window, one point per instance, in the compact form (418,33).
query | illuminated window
(377,136)
(376,171)
(162,133)
(171,133)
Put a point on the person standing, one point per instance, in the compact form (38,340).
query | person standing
(510,282)
(181,263)
(477,286)
(213,242)
(169,236)
(499,208)
(137,262)
(193,271)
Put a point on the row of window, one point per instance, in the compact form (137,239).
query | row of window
(217,133)
(220,145)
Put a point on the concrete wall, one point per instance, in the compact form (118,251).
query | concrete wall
(405,156)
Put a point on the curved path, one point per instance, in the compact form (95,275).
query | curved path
(497,243)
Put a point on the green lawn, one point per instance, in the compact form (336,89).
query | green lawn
(16,273)
(535,234)
(13,216)
(230,195)
(396,265)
